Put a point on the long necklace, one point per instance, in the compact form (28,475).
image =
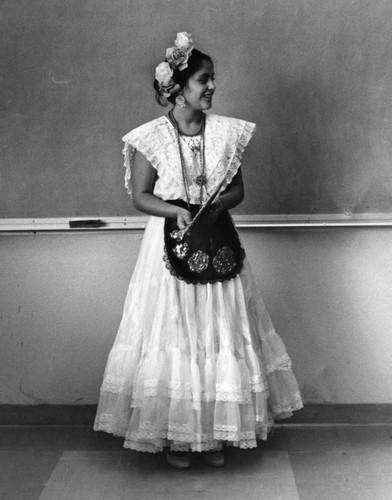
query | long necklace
(201,180)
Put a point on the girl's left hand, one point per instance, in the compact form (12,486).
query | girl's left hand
(214,212)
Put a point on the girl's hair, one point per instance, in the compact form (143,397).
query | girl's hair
(195,62)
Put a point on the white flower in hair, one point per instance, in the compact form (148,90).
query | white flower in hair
(164,73)
(177,58)
(184,41)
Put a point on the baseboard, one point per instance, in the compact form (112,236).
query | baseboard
(83,415)
(47,415)
(342,414)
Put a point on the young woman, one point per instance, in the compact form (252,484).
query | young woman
(196,362)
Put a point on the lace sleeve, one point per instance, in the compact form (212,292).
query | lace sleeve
(128,151)
(245,136)
(140,139)
(243,132)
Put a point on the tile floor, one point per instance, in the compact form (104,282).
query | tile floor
(300,462)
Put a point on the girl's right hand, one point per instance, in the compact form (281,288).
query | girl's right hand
(184,218)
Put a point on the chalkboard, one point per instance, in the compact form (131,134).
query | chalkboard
(315,75)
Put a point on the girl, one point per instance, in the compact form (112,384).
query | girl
(196,362)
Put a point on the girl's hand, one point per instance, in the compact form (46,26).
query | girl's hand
(214,212)
(184,218)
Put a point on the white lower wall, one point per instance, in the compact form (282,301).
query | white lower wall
(329,293)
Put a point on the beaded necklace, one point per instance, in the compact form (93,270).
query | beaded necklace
(201,179)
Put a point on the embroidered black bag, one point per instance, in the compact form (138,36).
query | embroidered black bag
(207,253)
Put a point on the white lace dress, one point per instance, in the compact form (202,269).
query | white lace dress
(192,366)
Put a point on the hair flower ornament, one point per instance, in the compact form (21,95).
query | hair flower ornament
(184,41)
(176,60)
(164,75)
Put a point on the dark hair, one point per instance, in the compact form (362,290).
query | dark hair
(195,62)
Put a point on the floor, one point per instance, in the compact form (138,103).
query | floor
(299,462)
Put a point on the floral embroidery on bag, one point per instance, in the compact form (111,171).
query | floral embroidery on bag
(181,250)
(224,262)
(198,262)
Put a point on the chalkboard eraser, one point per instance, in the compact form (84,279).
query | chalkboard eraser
(85,223)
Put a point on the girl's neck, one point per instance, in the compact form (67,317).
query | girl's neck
(189,120)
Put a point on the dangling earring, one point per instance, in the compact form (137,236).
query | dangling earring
(180,101)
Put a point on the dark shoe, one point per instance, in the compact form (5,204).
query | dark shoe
(214,458)
(178,459)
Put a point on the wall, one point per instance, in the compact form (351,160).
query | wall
(315,76)
(328,291)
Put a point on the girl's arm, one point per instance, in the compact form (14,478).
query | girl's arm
(143,181)
(233,194)
(230,198)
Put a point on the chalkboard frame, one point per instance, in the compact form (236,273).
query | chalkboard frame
(137,223)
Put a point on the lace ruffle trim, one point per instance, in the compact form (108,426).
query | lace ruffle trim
(183,391)
(281,363)
(223,392)
(240,398)
(180,437)
(286,407)
(129,152)
(245,136)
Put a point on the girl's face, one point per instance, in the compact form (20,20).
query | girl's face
(200,87)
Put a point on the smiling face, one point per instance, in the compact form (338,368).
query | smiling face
(200,87)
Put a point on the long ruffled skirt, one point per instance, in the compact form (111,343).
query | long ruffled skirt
(193,366)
